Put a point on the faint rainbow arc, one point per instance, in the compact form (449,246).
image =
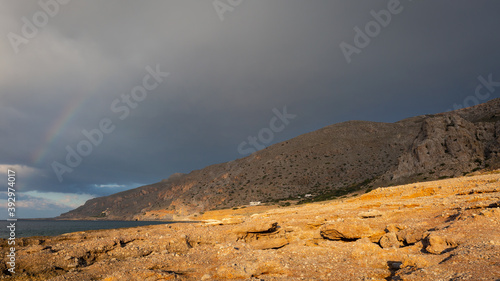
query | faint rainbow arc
(57,127)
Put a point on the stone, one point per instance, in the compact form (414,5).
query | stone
(389,240)
(437,244)
(395,265)
(257,227)
(266,244)
(394,227)
(262,235)
(346,230)
(410,236)
(364,250)
(371,214)
(206,277)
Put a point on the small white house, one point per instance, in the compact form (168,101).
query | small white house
(308,195)
(255,203)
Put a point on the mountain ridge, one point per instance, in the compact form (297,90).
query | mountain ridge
(333,161)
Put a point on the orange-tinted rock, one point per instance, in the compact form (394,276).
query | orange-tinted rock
(346,230)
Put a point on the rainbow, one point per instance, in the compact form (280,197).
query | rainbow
(57,127)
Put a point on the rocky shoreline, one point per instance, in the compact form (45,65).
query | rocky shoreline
(440,230)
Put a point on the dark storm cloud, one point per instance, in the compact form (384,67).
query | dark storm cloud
(225,79)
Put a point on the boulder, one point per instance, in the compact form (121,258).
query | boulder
(389,240)
(437,244)
(411,236)
(346,230)
(262,235)
(393,227)
(257,227)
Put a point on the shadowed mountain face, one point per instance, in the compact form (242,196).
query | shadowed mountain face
(329,162)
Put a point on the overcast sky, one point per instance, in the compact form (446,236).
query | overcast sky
(70,67)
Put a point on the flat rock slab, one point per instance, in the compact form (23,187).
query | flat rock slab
(257,227)
(348,230)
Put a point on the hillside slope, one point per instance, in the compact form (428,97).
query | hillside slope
(329,162)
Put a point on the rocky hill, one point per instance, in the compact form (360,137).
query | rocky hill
(327,163)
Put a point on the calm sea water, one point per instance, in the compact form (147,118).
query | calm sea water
(26,228)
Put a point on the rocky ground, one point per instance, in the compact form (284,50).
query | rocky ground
(441,230)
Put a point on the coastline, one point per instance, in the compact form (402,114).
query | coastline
(442,229)
(26,228)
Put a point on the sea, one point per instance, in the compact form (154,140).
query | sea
(27,228)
